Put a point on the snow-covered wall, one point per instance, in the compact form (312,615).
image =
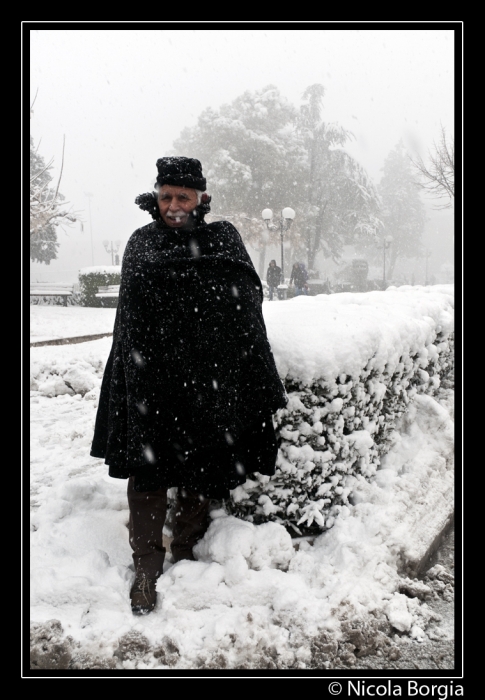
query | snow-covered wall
(351,364)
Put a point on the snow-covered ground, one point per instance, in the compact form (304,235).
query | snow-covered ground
(253,599)
(53,322)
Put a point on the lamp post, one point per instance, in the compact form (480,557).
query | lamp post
(386,243)
(427,253)
(112,247)
(89,195)
(287,216)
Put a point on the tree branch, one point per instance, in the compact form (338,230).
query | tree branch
(438,178)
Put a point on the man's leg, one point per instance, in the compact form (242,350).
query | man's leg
(148,510)
(190,523)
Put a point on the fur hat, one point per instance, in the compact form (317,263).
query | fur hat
(181,171)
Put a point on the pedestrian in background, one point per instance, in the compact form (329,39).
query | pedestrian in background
(299,277)
(273,277)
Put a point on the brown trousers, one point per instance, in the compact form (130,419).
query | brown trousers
(148,511)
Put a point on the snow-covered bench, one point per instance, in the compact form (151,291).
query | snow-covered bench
(51,289)
(110,292)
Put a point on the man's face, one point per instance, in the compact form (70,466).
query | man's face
(175,204)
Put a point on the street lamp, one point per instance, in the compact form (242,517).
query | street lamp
(386,243)
(112,247)
(427,253)
(89,195)
(287,216)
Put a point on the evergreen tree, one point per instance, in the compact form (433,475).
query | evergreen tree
(261,152)
(340,203)
(403,213)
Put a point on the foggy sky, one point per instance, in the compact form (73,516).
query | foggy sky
(121,97)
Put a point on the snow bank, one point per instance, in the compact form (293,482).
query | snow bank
(323,337)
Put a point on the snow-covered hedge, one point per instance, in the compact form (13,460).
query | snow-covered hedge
(39,300)
(351,364)
(91,278)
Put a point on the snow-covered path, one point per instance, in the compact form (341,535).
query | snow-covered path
(251,600)
(53,322)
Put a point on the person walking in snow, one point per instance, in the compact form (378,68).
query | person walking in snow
(273,277)
(190,385)
(299,277)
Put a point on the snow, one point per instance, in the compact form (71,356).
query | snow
(356,327)
(53,322)
(252,597)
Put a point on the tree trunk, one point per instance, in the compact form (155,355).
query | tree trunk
(314,242)
(312,253)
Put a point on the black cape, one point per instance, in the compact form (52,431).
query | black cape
(190,384)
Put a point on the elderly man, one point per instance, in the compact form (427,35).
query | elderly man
(190,385)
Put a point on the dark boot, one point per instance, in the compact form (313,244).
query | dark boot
(190,523)
(148,510)
(147,517)
(143,594)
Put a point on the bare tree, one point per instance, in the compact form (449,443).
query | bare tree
(438,177)
(48,209)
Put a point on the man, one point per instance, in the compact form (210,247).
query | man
(273,277)
(190,385)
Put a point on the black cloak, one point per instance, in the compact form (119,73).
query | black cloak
(190,385)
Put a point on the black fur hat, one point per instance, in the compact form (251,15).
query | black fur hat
(181,171)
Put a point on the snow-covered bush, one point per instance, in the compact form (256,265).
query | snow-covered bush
(350,374)
(91,278)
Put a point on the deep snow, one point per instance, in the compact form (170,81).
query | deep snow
(252,600)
